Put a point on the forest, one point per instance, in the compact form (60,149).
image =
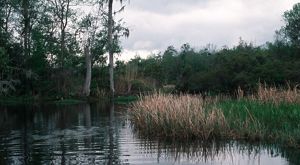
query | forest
(52,49)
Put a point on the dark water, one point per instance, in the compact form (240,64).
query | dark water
(102,134)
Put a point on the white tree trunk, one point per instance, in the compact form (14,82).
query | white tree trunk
(110,44)
(88,76)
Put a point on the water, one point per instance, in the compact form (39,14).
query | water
(102,134)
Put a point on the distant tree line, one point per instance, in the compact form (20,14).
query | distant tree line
(221,71)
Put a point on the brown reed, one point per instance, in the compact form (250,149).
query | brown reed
(276,95)
(182,116)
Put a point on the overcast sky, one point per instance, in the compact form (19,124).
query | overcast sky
(156,24)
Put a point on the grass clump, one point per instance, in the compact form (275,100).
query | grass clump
(276,95)
(271,114)
(254,120)
(184,116)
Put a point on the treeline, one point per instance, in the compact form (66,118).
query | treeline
(53,49)
(220,71)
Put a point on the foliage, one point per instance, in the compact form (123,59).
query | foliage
(292,27)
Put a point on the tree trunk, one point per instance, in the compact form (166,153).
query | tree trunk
(129,85)
(7,14)
(62,44)
(62,59)
(64,11)
(88,76)
(25,8)
(110,46)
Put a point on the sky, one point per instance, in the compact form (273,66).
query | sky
(156,24)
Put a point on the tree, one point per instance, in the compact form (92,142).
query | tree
(88,77)
(111,54)
(292,27)
(88,27)
(5,17)
(5,14)
(168,65)
(131,72)
(26,29)
(110,44)
(63,14)
(61,10)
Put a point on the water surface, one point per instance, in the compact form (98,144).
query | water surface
(102,134)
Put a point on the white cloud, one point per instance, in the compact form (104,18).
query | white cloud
(127,55)
(157,24)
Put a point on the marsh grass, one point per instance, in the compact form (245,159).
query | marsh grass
(183,116)
(276,95)
(271,114)
(253,120)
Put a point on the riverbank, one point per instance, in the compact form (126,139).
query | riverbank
(271,115)
(25,100)
(21,100)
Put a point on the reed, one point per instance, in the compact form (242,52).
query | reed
(276,95)
(183,116)
(270,114)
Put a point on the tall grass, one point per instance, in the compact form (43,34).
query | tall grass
(270,114)
(183,116)
(276,95)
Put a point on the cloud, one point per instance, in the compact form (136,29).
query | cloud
(157,24)
(130,54)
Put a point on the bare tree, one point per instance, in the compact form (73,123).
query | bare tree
(26,30)
(89,27)
(88,76)
(110,47)
(111,43)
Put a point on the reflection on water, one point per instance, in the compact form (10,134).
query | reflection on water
(101,134)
